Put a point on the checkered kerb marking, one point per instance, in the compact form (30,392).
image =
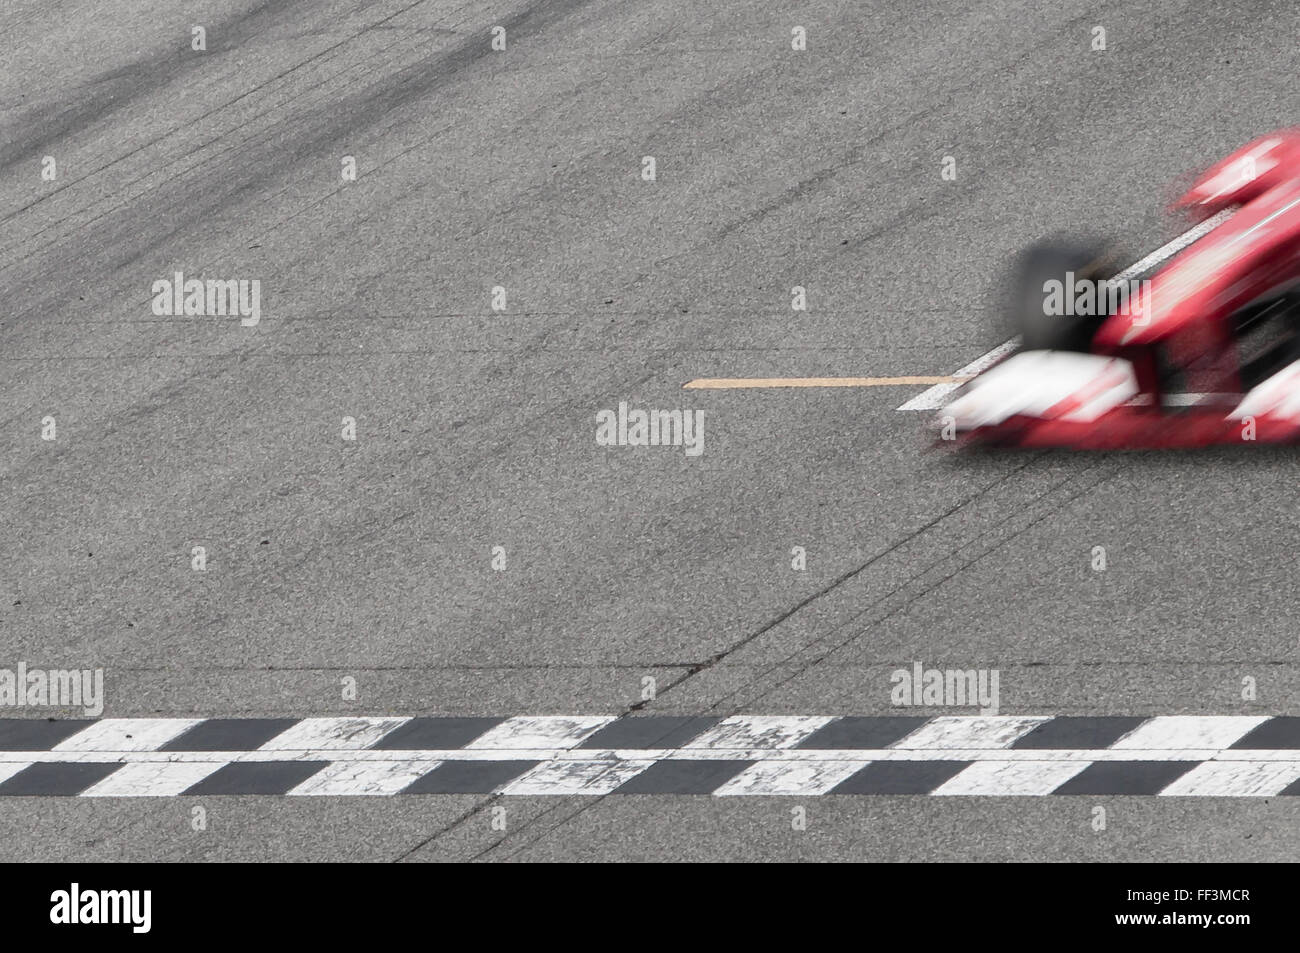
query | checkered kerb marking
(547,755)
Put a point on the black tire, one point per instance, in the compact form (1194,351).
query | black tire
(1046,262)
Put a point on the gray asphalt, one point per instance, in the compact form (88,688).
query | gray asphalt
(371,559)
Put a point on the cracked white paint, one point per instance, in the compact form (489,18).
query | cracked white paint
(976,731)
(575,777)
(333,733)
(127,734)
(152,779)
(780,778)
(760,731)
(540,731)
(1005,778)
(376,778)
(1235,779)
(1190,731)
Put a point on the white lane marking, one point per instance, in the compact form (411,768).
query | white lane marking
(127,734)
(575,777)
(331,733)
(933,398)
(1175,245)
(541,731)
(1002,778)
(985,731)
(152,779)
(666,754)
(1234,779)
(346,778)
(760,731)
(790,777)
(1189,731)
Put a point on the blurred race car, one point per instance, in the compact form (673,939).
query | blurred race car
(1206,350)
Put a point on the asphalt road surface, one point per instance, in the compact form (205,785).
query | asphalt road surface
(474,551)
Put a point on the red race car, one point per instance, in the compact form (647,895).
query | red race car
(1205,350)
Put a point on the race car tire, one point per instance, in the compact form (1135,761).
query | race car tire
(1030,317)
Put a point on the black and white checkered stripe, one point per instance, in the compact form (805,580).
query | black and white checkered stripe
(778,755)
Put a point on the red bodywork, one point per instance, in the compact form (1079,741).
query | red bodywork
(1135,428)
(1183,320)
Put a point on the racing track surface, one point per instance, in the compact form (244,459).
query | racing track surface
(371,559)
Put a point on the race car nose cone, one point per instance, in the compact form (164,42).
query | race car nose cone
(1044,384)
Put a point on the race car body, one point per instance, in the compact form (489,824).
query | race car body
(1203,352)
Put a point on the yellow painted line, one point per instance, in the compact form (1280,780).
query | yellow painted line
(739,383)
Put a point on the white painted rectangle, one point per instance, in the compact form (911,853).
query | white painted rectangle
(974,731)
(1011,778)
(333,733)
(760,731)
(782,778)
(127,734)
(152,779)
(1189,731)
(1235,779)
(541,731)
(373,778)
(575,777)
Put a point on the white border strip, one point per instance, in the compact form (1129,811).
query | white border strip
(615,756)
(1173,247)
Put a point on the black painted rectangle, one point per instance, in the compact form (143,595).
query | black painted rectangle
(229,734)
(1282,732)
(434,734)
(38,734)
(57,778)
(468,777)
(863,732)
(257,777)
(899,777)
(1073,731)
(681,776)
(650,731)
(1126,777)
